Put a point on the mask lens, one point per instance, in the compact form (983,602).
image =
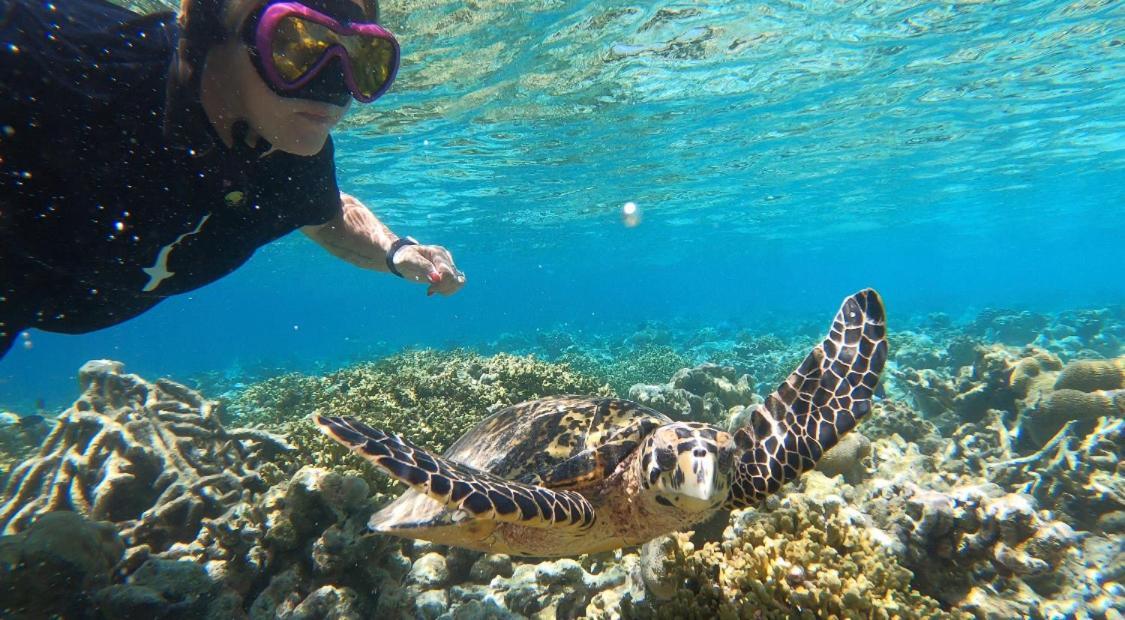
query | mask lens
(299,43)
(372,60)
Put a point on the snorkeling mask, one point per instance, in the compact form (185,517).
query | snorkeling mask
(322,50)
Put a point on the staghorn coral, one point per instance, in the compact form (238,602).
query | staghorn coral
(1079,473)
(151,457)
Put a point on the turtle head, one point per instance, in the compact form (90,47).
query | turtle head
(687,465)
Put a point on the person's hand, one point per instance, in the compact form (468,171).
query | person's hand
(431,264)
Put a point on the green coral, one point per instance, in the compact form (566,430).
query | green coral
(796,558)
(432,397)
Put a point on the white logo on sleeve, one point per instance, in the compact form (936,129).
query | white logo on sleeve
(159,270)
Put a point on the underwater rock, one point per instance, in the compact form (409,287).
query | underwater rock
(918,351)
(553,589)
(429,571)
(170,589)
(846,458)
(652,575)
(431,604)
(952,538)
(720,382)
(55,565)
(894,417)
(490,566)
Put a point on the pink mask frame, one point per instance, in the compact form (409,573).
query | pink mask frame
(264,39)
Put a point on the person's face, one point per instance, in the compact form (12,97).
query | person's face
(298,126)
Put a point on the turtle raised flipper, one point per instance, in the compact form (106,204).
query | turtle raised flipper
(456,486)
(821,400)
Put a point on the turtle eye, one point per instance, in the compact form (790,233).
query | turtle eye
(665,458)
(726,455)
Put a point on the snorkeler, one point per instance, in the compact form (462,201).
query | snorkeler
(143,157)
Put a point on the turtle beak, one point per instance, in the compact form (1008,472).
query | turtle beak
(698,467)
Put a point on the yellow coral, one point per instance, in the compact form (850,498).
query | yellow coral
(432,397)
(801,559)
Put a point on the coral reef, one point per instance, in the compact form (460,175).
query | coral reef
(151,457)
(707,393)
(436,396)
(1009,326)
(625,366)
(989,483)
(798,556)
(19,438)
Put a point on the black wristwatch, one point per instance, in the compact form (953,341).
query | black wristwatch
(399,243)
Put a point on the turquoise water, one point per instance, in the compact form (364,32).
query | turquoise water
(955,156)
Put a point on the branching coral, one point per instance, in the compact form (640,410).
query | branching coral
(151,457)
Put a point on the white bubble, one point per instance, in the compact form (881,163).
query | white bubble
(630,214)
(296,327)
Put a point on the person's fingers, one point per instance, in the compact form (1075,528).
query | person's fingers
(432,265)
(446,278)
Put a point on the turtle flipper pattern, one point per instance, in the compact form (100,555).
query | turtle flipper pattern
(821,400)
(456,486)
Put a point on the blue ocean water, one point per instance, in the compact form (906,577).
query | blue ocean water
(953,155)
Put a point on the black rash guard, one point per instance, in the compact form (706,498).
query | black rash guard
(102,215)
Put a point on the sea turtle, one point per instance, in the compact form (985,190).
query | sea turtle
(570,475)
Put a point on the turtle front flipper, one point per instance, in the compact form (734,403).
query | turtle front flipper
(479,494)
(820,401)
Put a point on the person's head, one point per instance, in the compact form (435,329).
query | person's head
(288,69)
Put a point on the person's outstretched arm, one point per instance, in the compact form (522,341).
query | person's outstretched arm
(358,237)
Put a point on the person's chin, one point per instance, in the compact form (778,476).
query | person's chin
(305,142)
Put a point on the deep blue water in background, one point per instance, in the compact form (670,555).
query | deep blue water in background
(783,155)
